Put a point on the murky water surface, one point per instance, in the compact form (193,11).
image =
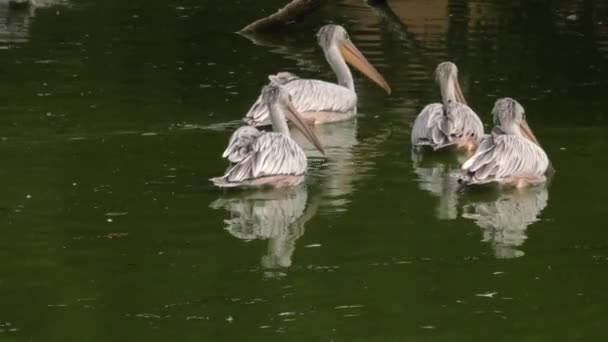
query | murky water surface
(113,115)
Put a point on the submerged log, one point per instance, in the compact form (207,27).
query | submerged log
(291,12)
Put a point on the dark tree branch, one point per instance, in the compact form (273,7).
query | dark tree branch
(292,11)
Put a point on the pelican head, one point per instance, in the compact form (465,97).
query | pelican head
(334,39)
(510,117)
(446,75)
(278,100)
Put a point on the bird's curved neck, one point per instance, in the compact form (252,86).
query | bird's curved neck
(338,64)
(448,90)
(510,129)
(278,120)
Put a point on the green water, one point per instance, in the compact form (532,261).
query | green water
(113,115)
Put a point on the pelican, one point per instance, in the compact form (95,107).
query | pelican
(449,123)
(511,155)
(268,158)
(319,101)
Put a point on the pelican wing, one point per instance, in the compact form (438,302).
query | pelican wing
(500,157)
(307,96)
(271,154)
(463,122)
(439,126)
(429,126)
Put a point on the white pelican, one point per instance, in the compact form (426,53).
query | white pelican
(268,158)
(511,155)
(449,123)
(319,101)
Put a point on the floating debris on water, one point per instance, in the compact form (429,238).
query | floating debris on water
(116,235)
(119,213)
(487,295)
(430,327)
(353,306)
(572,17)
(147,315)
(314,245)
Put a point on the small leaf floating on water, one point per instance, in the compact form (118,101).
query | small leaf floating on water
(229,319)
(314,245)
(429,327)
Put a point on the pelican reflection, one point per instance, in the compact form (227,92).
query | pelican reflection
(504,219)
(16,18)
(439,176)
(277,215)
(348,159)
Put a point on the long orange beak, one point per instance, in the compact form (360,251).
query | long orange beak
(296,119)
(459,95)
(525,129)
(354,57)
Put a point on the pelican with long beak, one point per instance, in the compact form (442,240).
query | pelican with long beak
(270,159)
(318,101)
(511,155)
(451,122)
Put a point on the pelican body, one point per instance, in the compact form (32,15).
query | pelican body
(510,155)
(451,122)
(268,158)
(319,101)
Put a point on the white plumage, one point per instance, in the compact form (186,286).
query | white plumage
(440,126)
(320,101)
(449,123)
(309,97)
(259,156)
(267,158)
(511,154)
